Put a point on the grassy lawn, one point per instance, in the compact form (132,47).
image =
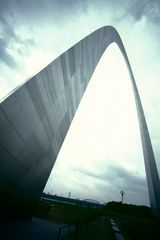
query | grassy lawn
(91,224)
(64,213)
(98,227)
(139,228)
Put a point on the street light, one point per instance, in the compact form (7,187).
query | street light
(122,193)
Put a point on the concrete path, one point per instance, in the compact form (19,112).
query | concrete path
(118,235)
(36,229)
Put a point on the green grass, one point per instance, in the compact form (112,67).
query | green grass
(99,227)
(63,212)
(139,228)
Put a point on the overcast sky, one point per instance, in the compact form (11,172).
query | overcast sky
(33,33)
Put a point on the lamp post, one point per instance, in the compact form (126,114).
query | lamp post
(122,193)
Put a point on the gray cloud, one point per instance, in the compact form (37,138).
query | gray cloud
(130,181)
(4,56)
(33,14)
(52,8)
(8,37)
(111,180)
(135,8)
(148,8)
(117,176)
(134,186)
(31,10)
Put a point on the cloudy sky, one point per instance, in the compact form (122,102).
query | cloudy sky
(103,153)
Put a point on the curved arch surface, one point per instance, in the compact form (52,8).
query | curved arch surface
(35,118)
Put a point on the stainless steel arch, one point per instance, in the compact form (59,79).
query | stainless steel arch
(149,159)
(35,118)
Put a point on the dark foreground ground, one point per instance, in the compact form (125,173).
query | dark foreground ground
(82,223)
(133,221)
(36,229)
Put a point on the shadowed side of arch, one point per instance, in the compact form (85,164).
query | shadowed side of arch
(34,121)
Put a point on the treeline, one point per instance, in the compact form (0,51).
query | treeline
(130,209)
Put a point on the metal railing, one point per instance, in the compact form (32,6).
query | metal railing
(66,231)
(71,231)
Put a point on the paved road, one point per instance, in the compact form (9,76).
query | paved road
(36,229)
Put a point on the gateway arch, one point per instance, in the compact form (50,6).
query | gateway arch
(35,118)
